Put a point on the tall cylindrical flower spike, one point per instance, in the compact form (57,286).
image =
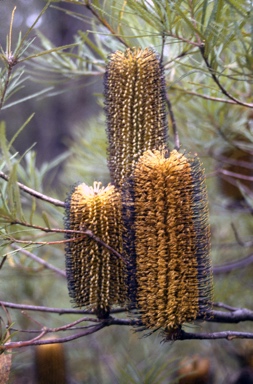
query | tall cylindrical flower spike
(172,239)
(95,275)
(135,108)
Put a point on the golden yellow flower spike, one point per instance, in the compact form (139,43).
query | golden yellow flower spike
(95,275)
(172,239)
(135,108)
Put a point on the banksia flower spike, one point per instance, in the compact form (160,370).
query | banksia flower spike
(136,121)
(95,275)
(172,239)
(50,363)
(135,108)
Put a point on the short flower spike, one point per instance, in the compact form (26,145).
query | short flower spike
(172,239)
(95,275)
(135,108)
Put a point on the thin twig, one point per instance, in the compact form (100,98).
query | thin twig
(225,306)
(3,261)
(163,45)
(239,240)
(88,5)
(237,264)
(39,260)
(86,232)
(211,98)
(38,341)
(68,327)
(216,80)
(235,175)
(235,315)
(60,311)
(232,317)
(32,242)
(37,308)
(174,125)
(229,335)
(231,161)
(34,193)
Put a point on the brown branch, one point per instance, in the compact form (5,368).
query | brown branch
(234,315)
(235,175)
(225,306)
(3,261)
(229,335)
(60,311)
(31,242)
(180,38)
(34,193)
(68,327)
(231,161)
(216,80)
(178,335)
(174,125)
(211,98)
(39,341)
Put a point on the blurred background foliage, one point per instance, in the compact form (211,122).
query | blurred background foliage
(52,135)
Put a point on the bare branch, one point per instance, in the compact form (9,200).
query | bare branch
(228,267)
(229,335)
(60,311)
(232,317)
(68,327)
(225,306)
(236,175)
(174,125)
(211,98)
(39,341)
(231,161)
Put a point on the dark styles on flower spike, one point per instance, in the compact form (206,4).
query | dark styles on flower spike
(135,109)
(95,275)
(172,239)
(155,213)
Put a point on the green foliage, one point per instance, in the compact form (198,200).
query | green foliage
(87,165)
